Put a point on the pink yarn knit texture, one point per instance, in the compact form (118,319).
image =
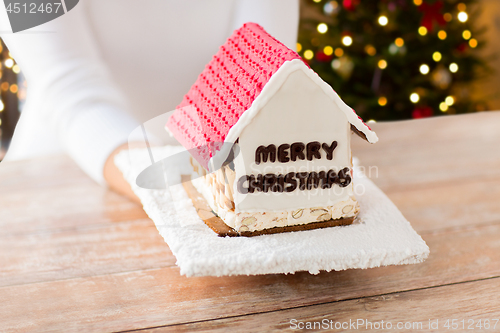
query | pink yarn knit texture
(226,88)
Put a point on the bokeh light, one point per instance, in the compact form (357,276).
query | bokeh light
(383,20)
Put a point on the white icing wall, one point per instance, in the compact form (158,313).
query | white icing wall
(299,111)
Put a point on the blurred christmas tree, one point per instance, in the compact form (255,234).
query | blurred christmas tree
(395,59)
(11,94)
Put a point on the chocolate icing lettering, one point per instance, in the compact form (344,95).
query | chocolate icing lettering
(240,185)
(291,181)
(279,185)
(329,149)
(312,180)
(296,151)
(344,177)
(269,181)
(302,177)
(313,150)
(264,153)
(283,153)
(256,183)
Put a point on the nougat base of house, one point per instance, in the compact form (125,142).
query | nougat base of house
(217,210)
(215,223)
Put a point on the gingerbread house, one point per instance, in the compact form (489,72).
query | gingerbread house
(269,139)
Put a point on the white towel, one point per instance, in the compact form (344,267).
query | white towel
(380,236)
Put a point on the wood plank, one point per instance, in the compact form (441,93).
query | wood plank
(440,172)
(53,194)
(452,205)
(428,167)
(65,208)
(162,297)
(84,252)
(41,173)
(427,310)
(433,150)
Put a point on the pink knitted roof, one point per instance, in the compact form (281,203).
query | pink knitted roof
(226,88)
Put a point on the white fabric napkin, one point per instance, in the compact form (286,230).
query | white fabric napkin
(380,236)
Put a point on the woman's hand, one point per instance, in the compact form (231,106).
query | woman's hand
(114,176)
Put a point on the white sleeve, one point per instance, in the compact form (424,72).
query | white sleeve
(280,18)
(61,63)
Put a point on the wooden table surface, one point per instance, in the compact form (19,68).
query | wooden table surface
(76,257)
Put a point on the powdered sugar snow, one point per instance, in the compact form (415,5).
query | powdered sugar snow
(380,236)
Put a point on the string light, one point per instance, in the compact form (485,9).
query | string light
(448,17)
(462,17)
(442,34)
(466,34)
(449,100)
(417,2)
(4,86)
(443,106)
(339,52)
(16,69)
(461,7)
(21,94)
(399,42)
(322,28)
(2,106)
(453,67)
(422,31)
(382,101)
(347,40)
(414,97)
(371,121)
(328,50)
(383,20)
(424,69)
(336,64)
(382,64)
(393,49)
(370,50)
(299,47)
(436,56)
(9,62)
(13,88)
(472,43)
(308,54)
(0,122)
(330,7)
(317,1)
